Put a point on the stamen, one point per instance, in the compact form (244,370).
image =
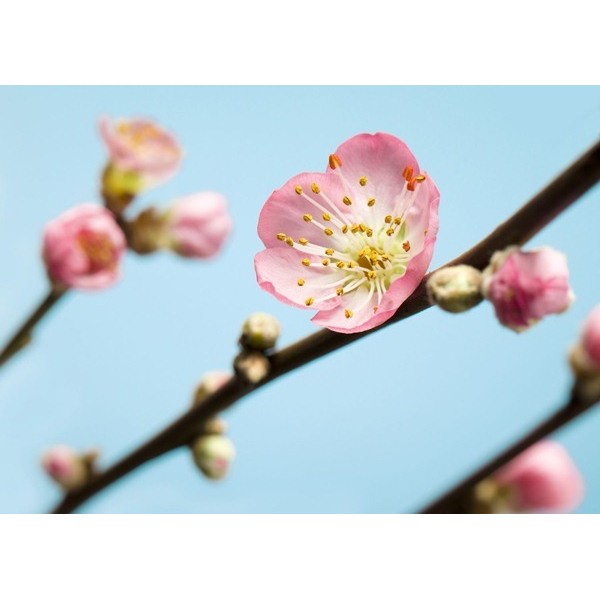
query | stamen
(281,237)
(298,190)
(346,201)
(354,228)
(325,262)
(390,231)
(397,220)
(306,262)
(348,313)
(309,301)
(371,202)
(300,282)
(407,173)
(328,231)
(345,229)
(341,264)
(340,291)
(315,188)
(369,232)
(307,217)
(303,241)
(388,219)
(362,227)
(420,178)
(406,246)
(289,241)
(329,251)
(363,181)
(326,217)
(334,161)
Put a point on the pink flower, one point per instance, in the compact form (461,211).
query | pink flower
(199,224)
(83,247)
(590,338)
(543,479)
(65,467)
(354,242)
(526,286)
(142,147)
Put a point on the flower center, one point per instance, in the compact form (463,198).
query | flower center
(99,250)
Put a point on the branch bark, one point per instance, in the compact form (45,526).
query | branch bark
(556,197)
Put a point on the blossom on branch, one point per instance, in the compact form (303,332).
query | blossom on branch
(141,154)
(524,286)
(354,242)
(66,467)
(83,247)
(198,225)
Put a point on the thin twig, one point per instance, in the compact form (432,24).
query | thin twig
(23,335)
(518,229)
(459,498)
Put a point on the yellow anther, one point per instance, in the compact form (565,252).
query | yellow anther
(351,265)
(345,229)
(289,241)
(371,202)
(303,241)
(388,219)
(298,190)
(420,178)
(371,274)
(325,262)
(306,262)
(385,257)
(369,232)
(281,236)
(397,220)
(307,218)
(341,265)
(329,251)
(309,301)
(326,217)
(406,246)
(390,231)
(300,282)
(327,231)
(348,313)
(347,201)
(334,161)
(340,291)
(315,188)
(364,251)
(407,173)
(363,181)
(362,227)
(354,228)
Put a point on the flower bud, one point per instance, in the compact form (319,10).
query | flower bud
(543,478)
(198,225)
(526,286)
(83,248)
(455,289)
(213,454)
(209,384)
(69,469)
(141,155)
(147,233)
(260,331)
(252,367)
(590,338)
(584,358)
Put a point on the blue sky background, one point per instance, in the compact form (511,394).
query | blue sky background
(111,368)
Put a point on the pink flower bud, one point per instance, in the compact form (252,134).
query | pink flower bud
(199,224)
(213,454)
(65,467)
(544,478)
(526,286)
(590,337)
(140,148)
(83,247)
(209,384)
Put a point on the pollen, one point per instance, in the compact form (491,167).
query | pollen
(298,190)
(334,161)
(371,275)
(390,231)
(307,217)
(329,251)
(362,227)
(420,178)
(397,220)
(345,229)
(315,188)
(281,237)
(289,241)
(363,181)
(306,262)
(369,232)
(371,202)
(354,228)
(351,265)
(325,262)
(340,291)
(348,313)
(406,246)
(346,201)
(309,301)
(303,241)
(327,231)
(300,282)
(411,184)
(326,217)
(407,173)
(341,265)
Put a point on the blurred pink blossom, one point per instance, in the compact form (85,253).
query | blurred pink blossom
(83,247)
(354,242)
(65,467)
(544,478)
(526,286)
(142,147)
(198,225)
(590,337)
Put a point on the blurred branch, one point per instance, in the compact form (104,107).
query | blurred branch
(23,335)
(459,498)
(518,229)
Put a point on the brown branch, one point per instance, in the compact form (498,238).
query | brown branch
(459,498)
(23,335)
(518,229)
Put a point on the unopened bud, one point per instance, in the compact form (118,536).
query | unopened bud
(252,367)
(214,426)
(119,188)
(260,331)
(584,358)
(209,384)
(213,454)
(148,231)
(69,469)
(455,289)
